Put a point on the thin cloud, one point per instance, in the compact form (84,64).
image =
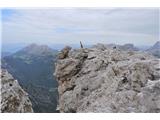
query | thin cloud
(138,26)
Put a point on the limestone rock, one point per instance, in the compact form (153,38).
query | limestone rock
(107,79)
(64,53)
(13,98)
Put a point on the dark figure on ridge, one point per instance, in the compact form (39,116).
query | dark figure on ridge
(81,44)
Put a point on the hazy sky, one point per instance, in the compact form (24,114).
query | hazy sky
(90,25)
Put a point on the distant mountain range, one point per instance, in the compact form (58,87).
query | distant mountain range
(14,47)
(155,49)
(33,67)
(128,47)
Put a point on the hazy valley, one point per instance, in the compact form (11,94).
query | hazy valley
(33,67)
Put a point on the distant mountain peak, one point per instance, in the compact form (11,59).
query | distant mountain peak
(35,49)
(157,45)
(33,67)
(155,49)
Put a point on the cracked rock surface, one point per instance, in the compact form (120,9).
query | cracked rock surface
(105,79)
(13,98)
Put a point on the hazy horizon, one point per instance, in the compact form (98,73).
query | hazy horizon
(14,47)
(138,26)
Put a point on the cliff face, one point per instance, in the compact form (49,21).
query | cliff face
(13,98)
(102,79)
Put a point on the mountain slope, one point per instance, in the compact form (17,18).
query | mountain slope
(155,49)
(33,67)
(104,79)
(4,53)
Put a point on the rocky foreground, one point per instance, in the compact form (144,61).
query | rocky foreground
(107,79)
(13,98)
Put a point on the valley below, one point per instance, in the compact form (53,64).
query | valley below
(33,67)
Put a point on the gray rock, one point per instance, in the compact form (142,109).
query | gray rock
(103,79)
(13,98)
(64,53)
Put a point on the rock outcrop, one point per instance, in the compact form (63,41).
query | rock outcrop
(107,79)
(13,98)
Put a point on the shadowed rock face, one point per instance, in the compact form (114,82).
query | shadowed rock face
(108,80)
(13,98)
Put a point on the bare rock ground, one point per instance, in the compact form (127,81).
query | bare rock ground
(107,79)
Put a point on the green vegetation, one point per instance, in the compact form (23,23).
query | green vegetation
(33,67)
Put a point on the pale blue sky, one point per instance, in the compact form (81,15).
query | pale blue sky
(89,25)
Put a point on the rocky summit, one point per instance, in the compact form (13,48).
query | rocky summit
(107,79)
(13,98)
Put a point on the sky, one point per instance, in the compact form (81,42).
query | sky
(90,25)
